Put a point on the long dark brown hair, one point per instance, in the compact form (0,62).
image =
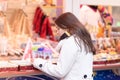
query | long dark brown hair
(69,22)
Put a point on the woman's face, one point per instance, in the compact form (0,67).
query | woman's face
(60,31)
(57,31)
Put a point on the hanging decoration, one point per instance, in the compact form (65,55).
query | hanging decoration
(3,5)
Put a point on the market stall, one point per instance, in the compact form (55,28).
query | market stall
(14,41)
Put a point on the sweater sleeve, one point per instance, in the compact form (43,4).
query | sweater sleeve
(59,46)
(65,61)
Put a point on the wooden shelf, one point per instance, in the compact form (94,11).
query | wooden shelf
(116,29)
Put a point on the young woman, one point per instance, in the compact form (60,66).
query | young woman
(75,61)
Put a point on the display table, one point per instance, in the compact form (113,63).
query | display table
(37,72)
(32,74)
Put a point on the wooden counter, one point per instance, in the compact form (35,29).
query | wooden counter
(106,66)
(37,72)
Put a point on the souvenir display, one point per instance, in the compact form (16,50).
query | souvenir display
(107,51)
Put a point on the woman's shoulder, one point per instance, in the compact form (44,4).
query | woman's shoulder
(70,39)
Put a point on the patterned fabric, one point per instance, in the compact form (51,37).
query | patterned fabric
(106,75)
(41,25)
(107,17)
